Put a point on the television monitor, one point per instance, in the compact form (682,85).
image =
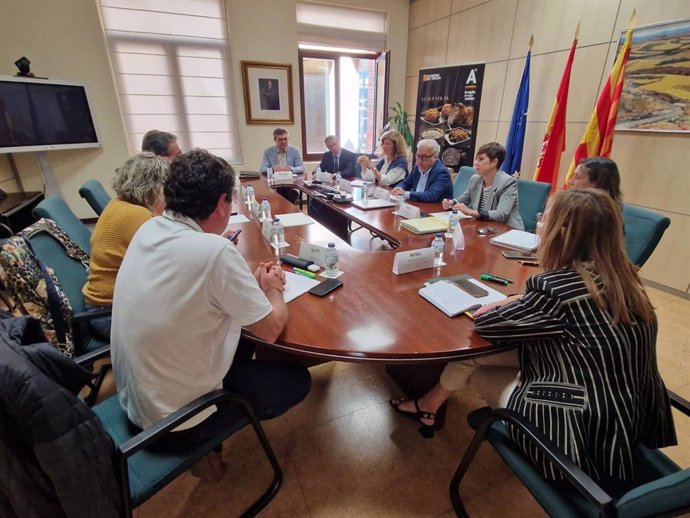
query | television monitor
(43,115)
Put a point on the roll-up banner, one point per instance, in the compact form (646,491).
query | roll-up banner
(448,111)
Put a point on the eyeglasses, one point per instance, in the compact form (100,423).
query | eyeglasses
(424,157)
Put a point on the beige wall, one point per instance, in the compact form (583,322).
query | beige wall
(653,166)
(64,40)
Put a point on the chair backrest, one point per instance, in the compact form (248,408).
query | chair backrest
(94,194)
(643,231)
(462,180)
(55,208)
(532,197)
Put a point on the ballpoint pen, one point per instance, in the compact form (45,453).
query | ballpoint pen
(529,263)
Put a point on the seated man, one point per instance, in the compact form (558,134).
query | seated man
(182,296)
(282,157)
(429,180)
(161,143)
(337,159)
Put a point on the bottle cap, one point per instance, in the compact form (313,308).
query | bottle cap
(439,234)
(331,245)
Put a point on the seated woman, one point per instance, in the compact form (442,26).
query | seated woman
(600,173)
(139,188)
(392,169)
(491,194)
(585,370)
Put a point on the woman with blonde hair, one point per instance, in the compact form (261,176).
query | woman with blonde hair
(585,369)
(139,188)
(392,168)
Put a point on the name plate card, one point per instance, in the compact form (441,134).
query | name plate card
(458,238)
(324,177)
(382,194)
(408,211)
(413,260)
(256,208)
(282,177)
(344,185)
(314,253)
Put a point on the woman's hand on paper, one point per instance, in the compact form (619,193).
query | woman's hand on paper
(488,307)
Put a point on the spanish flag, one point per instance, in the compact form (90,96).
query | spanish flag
(598,138)
(554,139)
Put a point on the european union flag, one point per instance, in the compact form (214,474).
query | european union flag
(516,135)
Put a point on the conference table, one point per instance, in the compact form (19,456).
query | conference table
(376,316)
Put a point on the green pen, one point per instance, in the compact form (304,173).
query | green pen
(306,273)
(493,278)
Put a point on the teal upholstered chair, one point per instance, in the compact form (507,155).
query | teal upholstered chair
(532,197)
(462,180)
(143,471)
(55,208)
(643,231)
(94,194)
(661,488)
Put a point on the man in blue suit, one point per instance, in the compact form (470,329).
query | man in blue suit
(282,157)
(337,159)
(429,180)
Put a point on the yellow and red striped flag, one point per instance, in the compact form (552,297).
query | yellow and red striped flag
(598,138)
(554,139)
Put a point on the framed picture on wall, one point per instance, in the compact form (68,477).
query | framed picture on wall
(267,92)
(656,87)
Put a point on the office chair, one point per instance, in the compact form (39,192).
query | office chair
(660,487)
(55,208)
(643,231)
(532,197)
(94,194)
(116,468)
(462,180)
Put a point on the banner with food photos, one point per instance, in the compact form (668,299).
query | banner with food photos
(448,111)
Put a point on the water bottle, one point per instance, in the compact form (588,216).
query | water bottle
(453,221)
(265,210)
(331,261)
(438,244)
(269,175)
(277,233)
(338,178)
(365,192)
(249,193)
(399,200)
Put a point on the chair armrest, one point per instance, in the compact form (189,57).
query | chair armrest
(89,358)
(87,316)
(571,471)
(679,402)
(162,427)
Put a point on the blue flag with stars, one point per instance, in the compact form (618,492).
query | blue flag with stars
(516,135)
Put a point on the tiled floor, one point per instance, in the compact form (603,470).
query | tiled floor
(344,452)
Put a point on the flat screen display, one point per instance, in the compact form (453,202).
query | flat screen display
(40,115)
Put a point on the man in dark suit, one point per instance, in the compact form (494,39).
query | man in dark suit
(429,180)
(337,159)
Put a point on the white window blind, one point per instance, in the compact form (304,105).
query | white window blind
(171,60)
(335,26)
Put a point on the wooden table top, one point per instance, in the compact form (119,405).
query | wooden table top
(377,315)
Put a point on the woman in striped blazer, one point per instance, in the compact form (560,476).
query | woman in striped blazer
(585,370)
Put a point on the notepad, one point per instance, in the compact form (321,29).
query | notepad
(373,203)
(517,240)
(453,300)
(424,225)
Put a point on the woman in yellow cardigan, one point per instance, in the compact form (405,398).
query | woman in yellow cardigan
(139,188)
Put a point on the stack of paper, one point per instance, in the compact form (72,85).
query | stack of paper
(453,300)
(424,225)
(517,240)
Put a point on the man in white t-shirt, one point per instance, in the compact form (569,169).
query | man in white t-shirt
(182,296)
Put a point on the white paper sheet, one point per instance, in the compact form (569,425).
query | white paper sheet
(294,219)
(237,218)
(297,285)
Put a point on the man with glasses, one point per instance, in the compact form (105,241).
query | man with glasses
(429,180)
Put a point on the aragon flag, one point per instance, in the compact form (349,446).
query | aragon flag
(554,139)
(598,138)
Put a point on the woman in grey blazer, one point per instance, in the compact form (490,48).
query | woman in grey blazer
(491,194)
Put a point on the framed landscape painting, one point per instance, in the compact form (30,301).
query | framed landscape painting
(267,92)
(656,87)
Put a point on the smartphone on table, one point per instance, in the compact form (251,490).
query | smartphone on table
(471,288)
(519,255)
(325,287)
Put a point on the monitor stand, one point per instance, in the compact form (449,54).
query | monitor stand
(49,182)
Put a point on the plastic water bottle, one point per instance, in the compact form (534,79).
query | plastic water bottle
(265,210)
(438,244)
(365,192)
(453,220)
(269,175)
(277,233)
(338,178)
(399,200)
(249,193)
(331,261)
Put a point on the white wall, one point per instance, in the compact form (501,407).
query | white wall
(653,166)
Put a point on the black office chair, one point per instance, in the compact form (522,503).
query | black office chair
(660,488)
(94,194)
